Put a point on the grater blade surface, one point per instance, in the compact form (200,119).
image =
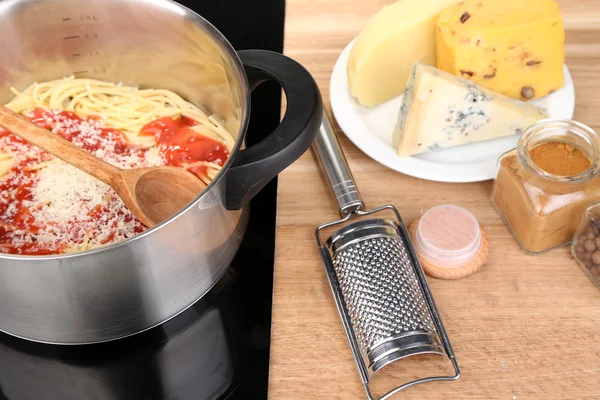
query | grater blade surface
(381,294)
(381,291)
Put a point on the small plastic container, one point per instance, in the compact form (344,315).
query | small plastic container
(449,242)
(586,243)
(448,235)
(542,209)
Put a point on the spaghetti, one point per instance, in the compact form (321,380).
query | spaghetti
(50,207)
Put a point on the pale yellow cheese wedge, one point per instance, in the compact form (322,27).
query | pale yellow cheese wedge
(383,54)
(440,110)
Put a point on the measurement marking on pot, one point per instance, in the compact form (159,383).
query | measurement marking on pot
(66,19)
(81,72)
(71,37)
(75,55)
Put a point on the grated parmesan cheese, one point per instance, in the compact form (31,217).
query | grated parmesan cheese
(64,192)
(70,210)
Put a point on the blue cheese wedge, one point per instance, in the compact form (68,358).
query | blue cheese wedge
(440,110)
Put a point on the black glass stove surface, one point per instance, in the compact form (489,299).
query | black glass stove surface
(217,349)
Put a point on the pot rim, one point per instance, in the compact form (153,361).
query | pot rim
(222,41)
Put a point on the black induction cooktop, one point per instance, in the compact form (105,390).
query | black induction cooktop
(217,349)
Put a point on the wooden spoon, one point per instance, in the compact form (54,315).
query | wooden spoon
(151,194)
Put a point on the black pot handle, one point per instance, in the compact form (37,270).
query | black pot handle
(257,165)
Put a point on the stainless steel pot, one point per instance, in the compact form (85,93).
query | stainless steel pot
(122,289)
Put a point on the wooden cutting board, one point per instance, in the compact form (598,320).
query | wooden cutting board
(524,327)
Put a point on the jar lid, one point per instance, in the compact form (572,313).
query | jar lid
(448,236)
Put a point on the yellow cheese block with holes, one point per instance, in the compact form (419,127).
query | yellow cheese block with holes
(513,47)
(383,53)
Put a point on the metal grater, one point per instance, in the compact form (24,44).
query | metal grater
(377,282)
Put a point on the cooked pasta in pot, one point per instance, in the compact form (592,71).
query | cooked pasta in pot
(50,207)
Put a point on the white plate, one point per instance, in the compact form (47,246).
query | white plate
(370,129)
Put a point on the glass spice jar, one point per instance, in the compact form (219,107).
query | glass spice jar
(540,208)
(586,242)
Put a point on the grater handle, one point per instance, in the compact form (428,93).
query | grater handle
(331,157)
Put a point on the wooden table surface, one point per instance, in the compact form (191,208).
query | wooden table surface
(524,327)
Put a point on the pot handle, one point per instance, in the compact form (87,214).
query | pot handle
(257,165)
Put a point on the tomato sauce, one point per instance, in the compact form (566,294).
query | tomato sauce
(177,144)
(181,145)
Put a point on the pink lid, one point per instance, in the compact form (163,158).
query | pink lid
(448,236)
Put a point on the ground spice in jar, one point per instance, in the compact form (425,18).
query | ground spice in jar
(559,159)
(543,213)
